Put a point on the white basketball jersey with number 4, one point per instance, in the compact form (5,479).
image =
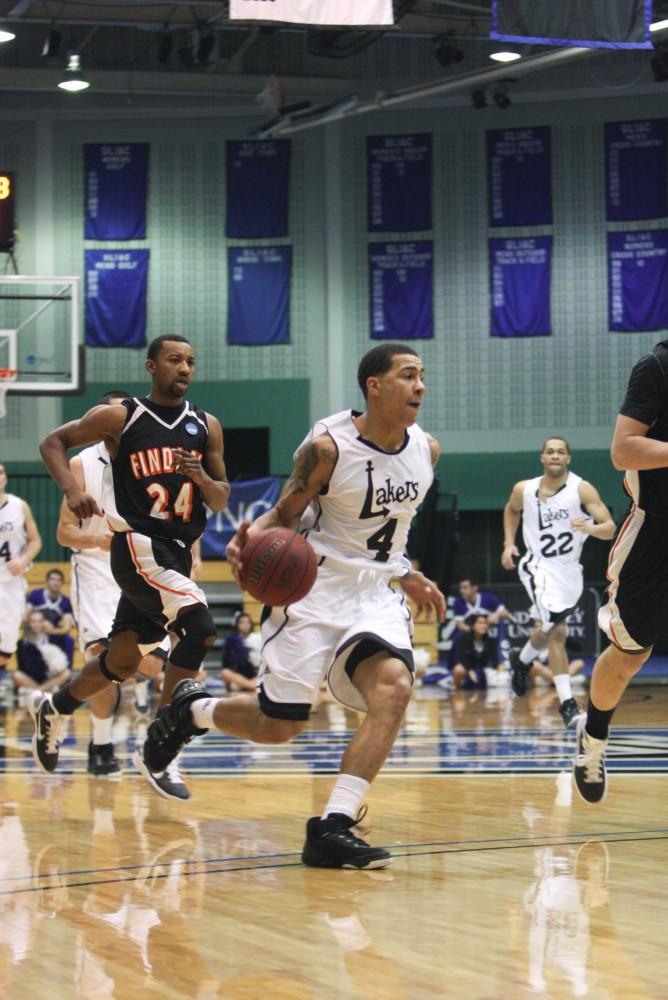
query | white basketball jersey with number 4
(546,524)
(12,533)
(363,518)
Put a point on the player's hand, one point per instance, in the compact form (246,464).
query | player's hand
(82,504)
(426,596)
(508,556)
(234,549)
(195,568)
(580,524)
(16,567)
(188,464)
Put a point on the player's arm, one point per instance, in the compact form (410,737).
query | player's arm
(69,531)
(512,514)
(631,449)
(604,526)
(196,553)
(33,543)
(312,470)
(102,423)
(208,474)
(434,450)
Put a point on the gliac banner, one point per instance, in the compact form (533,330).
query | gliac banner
(247,501)
(330,12)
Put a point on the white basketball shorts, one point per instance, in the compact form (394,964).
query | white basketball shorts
(314,639)
(13,602)
(94,595)
(552,590)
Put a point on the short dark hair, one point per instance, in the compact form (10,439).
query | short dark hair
(378,361)
(473,580)
(56,572)
(110,394)
(156,344)
(555,437)
(473,618)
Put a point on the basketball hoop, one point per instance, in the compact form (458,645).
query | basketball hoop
(7,378)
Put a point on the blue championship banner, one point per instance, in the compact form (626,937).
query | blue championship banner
(258,282)
(519,185)
(592,24)
(638,280)
(116,283)
(247,501)
(520,286)
(257,189)
(401,290)
(398,183)
(636,176)
(116,182)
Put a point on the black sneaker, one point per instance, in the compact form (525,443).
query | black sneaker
(102,761)
(591,780)
(166,737)
(48,731)
(519,673)
(570,712)
(330,844)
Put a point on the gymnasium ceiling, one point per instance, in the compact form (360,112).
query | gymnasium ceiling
(147,55)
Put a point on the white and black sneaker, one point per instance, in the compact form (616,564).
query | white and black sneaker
(330,843)
(167,782)
(519,673)
(591,779)
(570,712)
(48,731)
(103,762)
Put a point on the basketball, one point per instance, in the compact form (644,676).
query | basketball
(278,567)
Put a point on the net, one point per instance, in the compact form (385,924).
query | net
(7,379)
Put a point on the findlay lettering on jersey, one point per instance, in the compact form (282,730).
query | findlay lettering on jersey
(387,493)
(154,462)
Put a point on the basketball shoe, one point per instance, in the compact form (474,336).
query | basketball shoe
(166,737)
(519,673)
(330,843)
(102,761)
(591,779)
(570,712)
(48,731)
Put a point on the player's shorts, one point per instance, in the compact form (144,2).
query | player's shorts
(342,620)
(13,601)
(94,596)
(636,614)
(553,591)
(154,577)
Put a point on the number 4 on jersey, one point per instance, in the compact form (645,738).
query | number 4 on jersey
(381,541)
(183,505)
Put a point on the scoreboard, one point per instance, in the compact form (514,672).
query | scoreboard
(7,204)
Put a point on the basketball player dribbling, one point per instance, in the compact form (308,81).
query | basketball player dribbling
(166,463)
(365,474)
(20,541)
(558,511)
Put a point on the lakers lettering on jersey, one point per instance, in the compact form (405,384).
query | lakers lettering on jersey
(546,523)
(13,538)
(366,512)
(142,491)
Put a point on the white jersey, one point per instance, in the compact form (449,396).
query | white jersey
(94,461)
(546,524)
(365,513)
(13,538)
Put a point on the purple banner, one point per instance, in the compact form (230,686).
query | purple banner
(258,310)
(116,182)
(401,290)
(519,176)
(636,177)
(116,283)
(398,183)
(520,286)
(638,280)
(258,175)
(593,24)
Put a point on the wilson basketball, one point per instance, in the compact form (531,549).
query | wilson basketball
(278,567)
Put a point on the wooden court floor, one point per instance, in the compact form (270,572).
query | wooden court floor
(503,885)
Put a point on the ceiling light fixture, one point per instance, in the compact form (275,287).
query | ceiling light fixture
(659,25)
(6,36)
(73,80)
(504,56)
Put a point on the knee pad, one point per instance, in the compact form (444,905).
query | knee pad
(197,631)
(102,661)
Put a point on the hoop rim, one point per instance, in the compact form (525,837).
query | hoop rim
(7,374)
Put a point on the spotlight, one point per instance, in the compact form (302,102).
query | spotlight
(51,46)
(446,52)
(205,46)
(478,98)
(501,98)
(73,80)
(165,46)
(6,35)
(659,64)
(504,56)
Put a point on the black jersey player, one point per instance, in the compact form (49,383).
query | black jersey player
(166,463)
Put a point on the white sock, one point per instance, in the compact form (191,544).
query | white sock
(141,693)
(562,682)
(529,653)
(346,796)
(101,730)
(202,712)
